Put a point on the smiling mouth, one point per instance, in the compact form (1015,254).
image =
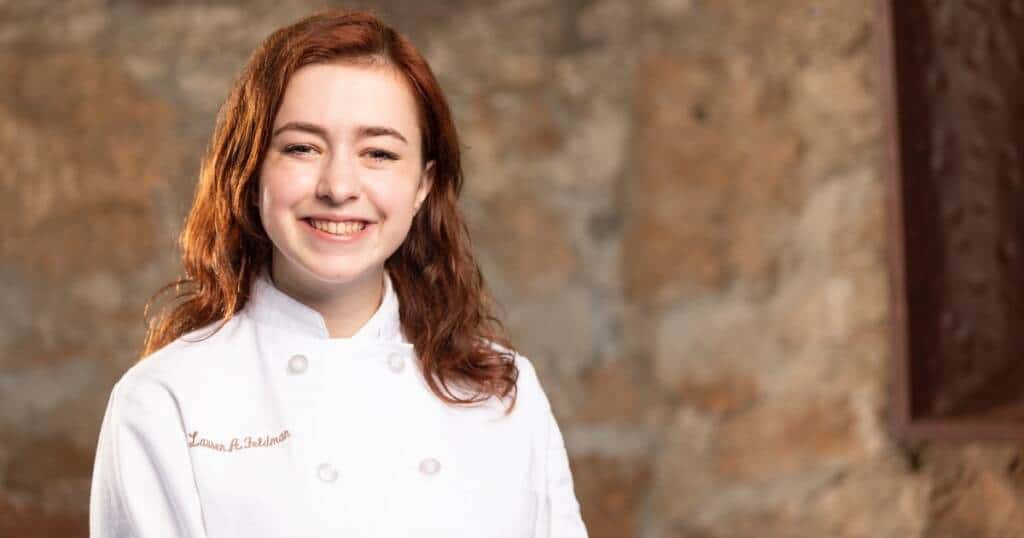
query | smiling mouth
(340,229)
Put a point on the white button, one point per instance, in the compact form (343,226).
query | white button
(430,466)
(298,364)
(396,362)
(327,472)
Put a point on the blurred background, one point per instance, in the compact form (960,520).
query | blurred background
(680,205)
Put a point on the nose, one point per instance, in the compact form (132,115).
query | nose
(339,180)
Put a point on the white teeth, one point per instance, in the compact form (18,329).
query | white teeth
(338,228)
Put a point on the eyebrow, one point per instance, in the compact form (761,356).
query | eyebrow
(363,131)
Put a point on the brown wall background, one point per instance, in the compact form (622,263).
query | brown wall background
(679,204)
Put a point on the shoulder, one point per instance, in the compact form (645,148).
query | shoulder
(521,362)
(180,363)
(529,389)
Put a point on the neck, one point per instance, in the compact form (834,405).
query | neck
(345,307)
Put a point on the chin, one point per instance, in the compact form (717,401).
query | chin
(314,270)
(339,275)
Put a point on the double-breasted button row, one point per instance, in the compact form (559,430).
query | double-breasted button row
(298,364)
(328,473)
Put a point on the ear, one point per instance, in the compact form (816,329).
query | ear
(426,183)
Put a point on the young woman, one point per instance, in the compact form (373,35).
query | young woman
(331,366)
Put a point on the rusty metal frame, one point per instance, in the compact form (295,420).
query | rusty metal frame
(904,425)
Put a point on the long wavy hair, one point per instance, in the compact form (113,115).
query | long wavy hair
(444,307)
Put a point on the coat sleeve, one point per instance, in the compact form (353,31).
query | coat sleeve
(142,482)
(559,512)
(564,519)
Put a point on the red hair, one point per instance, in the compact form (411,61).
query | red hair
(444,308)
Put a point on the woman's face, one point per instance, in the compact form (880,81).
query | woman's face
(343,177)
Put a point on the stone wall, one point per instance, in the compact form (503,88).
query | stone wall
(678,203)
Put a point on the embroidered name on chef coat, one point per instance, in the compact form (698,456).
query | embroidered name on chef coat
(237,443)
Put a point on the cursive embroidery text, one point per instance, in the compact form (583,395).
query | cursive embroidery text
(237,443)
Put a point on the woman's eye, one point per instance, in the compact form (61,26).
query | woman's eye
(301,149)
(381,155)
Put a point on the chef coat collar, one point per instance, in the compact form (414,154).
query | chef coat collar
(269,305)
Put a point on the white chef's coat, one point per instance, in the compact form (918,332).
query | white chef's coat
(272,428)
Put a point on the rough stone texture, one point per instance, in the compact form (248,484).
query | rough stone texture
(678,204)
(617,511)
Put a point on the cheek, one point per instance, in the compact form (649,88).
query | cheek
(279,190)
(393,203)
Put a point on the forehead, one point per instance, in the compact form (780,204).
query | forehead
(341,96)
